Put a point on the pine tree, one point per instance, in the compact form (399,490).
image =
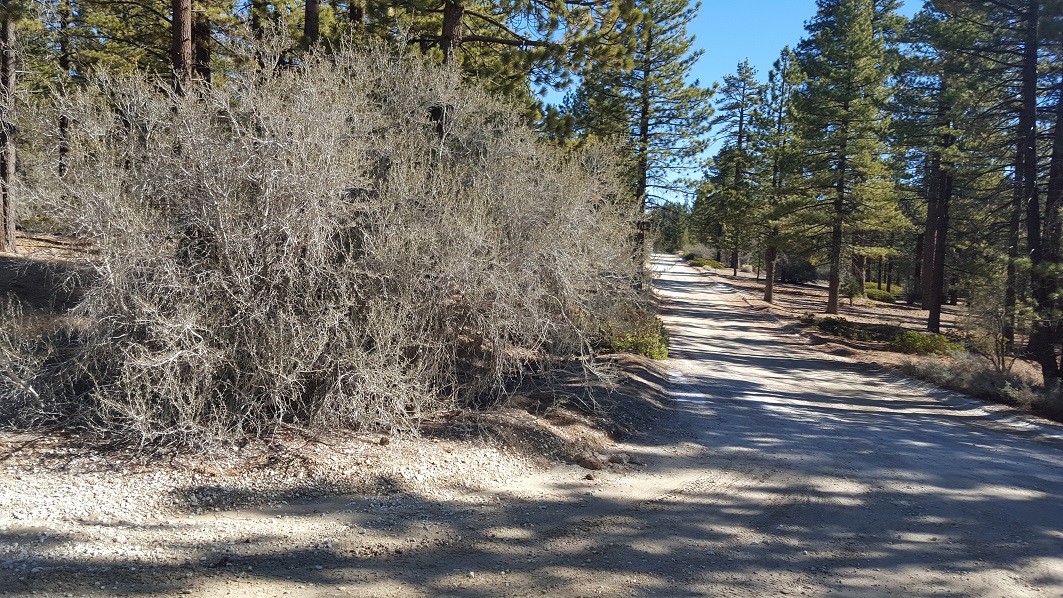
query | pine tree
(663,117)
(515,47)
(728,202)
(842,125)
(941,111)
(779,176)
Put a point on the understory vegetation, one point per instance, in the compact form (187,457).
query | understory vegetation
(960,366)
(635,330)
(704,262)
(967,373)
(897,338)
(354,242)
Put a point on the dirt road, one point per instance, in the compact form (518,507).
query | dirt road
(780,471)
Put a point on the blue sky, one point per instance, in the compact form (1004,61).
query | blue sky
(732,30)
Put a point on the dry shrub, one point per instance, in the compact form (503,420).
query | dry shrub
(974,375)
(309,248)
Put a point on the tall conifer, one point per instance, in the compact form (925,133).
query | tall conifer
(663,116)
(842,125)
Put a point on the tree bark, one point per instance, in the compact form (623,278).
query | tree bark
(642,184)
(937,275)
(941,189)
(7,128)
(356,12)
(181,44)
(258,9)
(915,281)
(1011,278)
(771,256)
(858,267)
(1047,333)
(453,23)
(834,281)
(201,41)
(889,275)
(1026,202)
(65,64)
(930,228)
(312,22)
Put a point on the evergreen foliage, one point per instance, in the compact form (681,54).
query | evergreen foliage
(842,124)
(651,103)
(730,205)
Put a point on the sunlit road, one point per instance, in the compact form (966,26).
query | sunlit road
(851,481)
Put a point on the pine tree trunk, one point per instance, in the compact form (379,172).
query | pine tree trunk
(356,12)
(834,281)
(257,10)
(65,64)
(941,188)
(181,44)
(7,129)
(889,276)
(1047,333)
(312,22)
(1026,202)
(453,22)
(1011,278)
(915,281)
(771,256)
(642,185)
(933,215)
(858,266)
(1043,242)
(201,39)
(937,274)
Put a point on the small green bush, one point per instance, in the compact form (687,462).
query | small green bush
(851,288)
(882,296)
(895,289)
(857,331)
(704,262)
(690,255)
(797,272)
(911,341)
(843,328)
(651,344)
(635,331)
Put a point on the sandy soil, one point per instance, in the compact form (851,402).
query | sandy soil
(768,468)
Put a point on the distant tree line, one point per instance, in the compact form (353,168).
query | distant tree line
(924,154)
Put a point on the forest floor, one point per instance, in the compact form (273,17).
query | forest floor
(793,303)
(750,463)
